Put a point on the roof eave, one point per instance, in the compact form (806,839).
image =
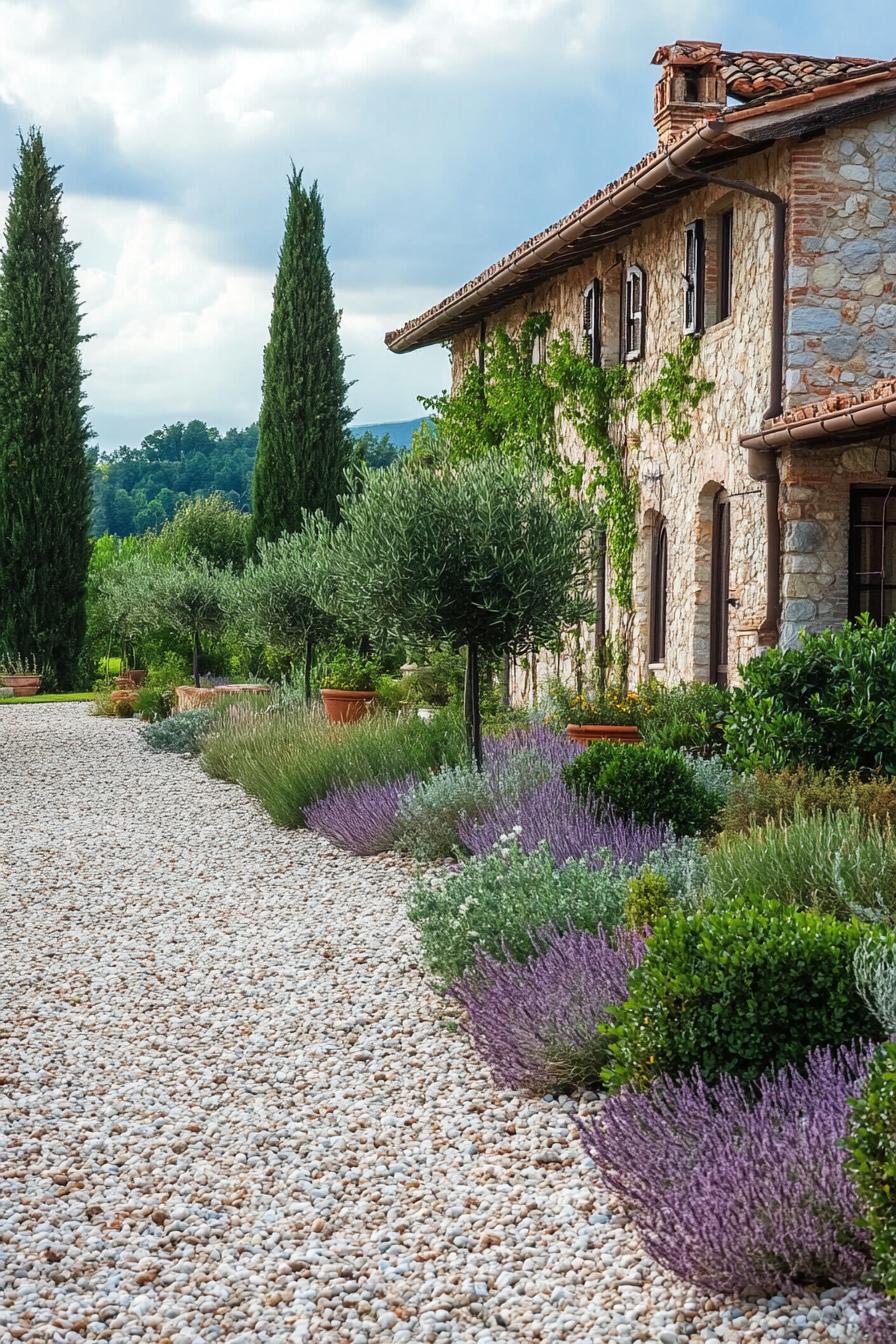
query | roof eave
(424,332)
(864,420)
(745,128)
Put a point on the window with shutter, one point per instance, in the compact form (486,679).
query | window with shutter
(591,320)
(694,267)
(635,284)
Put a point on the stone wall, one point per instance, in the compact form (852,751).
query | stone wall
(678,481)
(841,323)
(815,491)
(841,336)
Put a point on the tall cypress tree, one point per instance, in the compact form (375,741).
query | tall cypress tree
(303,440)
(44,470)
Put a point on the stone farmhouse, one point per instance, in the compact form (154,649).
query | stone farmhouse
(765,222)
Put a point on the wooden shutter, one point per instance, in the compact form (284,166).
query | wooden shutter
(726,259)
(591,320)
(635,285)
(694,267)
(659,581)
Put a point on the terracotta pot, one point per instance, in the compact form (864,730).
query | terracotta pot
(346,706)
(133,678)
(22,685)
(586,733)
(123,703)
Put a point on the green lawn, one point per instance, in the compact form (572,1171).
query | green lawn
(44,699)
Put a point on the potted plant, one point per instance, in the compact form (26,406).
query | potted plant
(588,715)
(349,693)
(21,674)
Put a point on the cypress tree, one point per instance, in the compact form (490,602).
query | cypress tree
(303,442)
(44,469)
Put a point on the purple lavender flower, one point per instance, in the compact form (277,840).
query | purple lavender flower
(362,818)
(555,748)
(737,1190)
(552,813)
(536,1024)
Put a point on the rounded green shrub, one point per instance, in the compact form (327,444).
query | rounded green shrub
(830,703)
(648,899)
(738,988)
(871,1145)
(647,783)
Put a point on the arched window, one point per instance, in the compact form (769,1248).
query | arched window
(659,582)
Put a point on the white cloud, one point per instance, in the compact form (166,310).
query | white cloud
(442,131)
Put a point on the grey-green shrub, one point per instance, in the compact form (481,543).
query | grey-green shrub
(713,774)
(429,815)
(496,903)
(683,866)
(290,757)
(835,862)
(180,733)
(875,970)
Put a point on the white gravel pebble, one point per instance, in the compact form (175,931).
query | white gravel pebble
(231,1109)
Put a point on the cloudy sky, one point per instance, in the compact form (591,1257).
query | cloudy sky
(442,133)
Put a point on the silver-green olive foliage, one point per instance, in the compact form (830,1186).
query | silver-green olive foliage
(272,597)
(476,553)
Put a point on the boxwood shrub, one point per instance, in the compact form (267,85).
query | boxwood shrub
(647,783)
(737,989)
(872,1162)
(830,703)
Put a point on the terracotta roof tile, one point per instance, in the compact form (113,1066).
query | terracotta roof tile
(756,79)
(758,75)
(841,401)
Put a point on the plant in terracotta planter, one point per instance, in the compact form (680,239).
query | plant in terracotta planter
(348,692)
(613,713)
(23,675)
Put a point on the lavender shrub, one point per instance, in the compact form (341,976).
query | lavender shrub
(741,1190)
(363,818)
(554,749)
(552,814)
(536,1025)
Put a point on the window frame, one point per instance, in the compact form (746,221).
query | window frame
(635,317)
(592,319)
(659,593)
(857,493)
(694,278)
(720,588)
(725,266)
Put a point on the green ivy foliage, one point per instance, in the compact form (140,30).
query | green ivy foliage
(738,988)
(506,401)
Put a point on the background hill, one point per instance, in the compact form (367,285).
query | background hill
(136,489)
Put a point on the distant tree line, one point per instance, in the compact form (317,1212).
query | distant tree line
(136,490)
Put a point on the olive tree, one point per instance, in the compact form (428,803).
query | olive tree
(273,602)
(191,597)
(122,609)
(477,553)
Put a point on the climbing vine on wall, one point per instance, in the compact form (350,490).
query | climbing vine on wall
(602,403)
(505,399)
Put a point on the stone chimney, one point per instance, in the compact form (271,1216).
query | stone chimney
(691,87)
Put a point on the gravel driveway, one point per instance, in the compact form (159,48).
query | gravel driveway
(232,1110)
